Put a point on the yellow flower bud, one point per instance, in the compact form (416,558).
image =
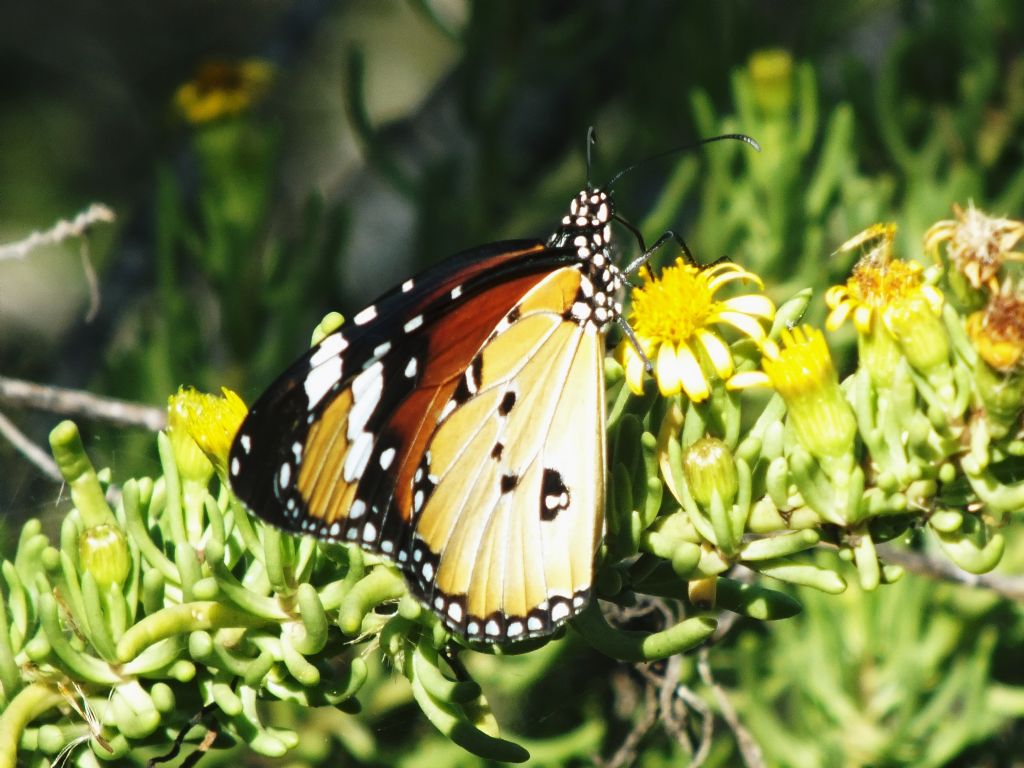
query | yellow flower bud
(801,371)
(103,553)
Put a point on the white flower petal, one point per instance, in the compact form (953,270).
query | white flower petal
(718,353)
(838,315)
(743,323)
(755,304)
(748,380)
(695,383)
(634,367)
(669,371)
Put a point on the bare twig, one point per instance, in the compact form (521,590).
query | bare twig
(1010,587)
(707,726)
(91,281)
(59,232)
(72,402)
(36,455)
(749,748)
(627,752)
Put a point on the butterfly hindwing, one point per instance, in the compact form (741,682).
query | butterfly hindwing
(509,531)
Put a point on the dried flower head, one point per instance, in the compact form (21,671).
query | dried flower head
(977,244)
(997,331)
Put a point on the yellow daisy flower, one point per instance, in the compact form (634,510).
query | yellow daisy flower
(223,88)
(202,427)
(673,316)
(977,244)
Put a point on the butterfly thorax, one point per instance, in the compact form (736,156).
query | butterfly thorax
(586,227)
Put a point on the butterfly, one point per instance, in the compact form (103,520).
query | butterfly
(456,426)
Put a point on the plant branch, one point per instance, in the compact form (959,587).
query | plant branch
(36,455)
(73,402)
(1010,587)
(59,232)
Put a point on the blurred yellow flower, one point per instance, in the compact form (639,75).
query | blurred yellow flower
(977,244)
(771,75)
(997,331)
(673,316)
(223,88)
(203,421)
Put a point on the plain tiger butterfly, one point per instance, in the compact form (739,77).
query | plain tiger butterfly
(456,426)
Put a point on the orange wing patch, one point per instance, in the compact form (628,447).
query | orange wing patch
(321,478)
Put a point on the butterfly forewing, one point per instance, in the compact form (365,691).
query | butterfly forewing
(456,426)
(327,412)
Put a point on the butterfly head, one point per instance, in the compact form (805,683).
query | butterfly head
(586,229)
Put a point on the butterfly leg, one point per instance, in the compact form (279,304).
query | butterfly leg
(644,257)
(631,335)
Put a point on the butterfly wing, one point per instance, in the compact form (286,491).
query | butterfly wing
(504,540)
(372,434)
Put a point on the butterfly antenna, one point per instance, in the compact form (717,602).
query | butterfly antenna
(684,148)
(591,141)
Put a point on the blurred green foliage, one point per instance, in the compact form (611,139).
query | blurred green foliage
(236,236)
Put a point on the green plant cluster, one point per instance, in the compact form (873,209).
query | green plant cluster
(162,605)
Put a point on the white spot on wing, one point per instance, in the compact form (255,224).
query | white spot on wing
(559,611)
(366,390)
(413,324)
(235,466)
(357,510)
(456,291)
(407,286)
(332,346)
(386,457)
(365,316)
(410,368)
(358,456)
(284,475)
(382,349)
(321,379)
(246,442)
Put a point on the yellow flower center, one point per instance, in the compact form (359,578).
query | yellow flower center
(883,284)
(671,308)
